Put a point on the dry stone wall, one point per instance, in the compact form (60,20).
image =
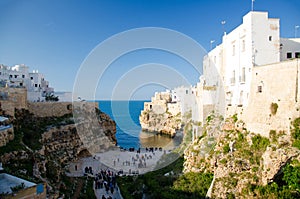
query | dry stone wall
(50,109)
(12,98)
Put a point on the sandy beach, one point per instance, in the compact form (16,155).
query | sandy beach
(118,160)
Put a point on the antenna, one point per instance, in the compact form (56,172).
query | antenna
(296,28)
(223,26)
(252,5)
(211,42)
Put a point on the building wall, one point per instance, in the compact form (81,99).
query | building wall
(19,76)
(291,46)
(49,109)
(11,98)
(279,84)
(185,97)
(249,57)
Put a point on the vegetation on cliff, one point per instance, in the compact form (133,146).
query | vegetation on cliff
(42,148)
(244,164)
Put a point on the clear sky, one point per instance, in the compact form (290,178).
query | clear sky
(56,36)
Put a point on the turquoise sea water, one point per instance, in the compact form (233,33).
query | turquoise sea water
(129,132)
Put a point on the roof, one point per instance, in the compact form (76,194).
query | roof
(2,119)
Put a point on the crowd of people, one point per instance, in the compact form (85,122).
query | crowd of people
(105,179)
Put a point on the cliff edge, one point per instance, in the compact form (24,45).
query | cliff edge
(161,115)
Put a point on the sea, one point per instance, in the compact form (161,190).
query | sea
(129,132)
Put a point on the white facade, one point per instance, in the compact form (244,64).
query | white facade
(185,97)
(255,42)
(228,68)
(19,76)
(289,48)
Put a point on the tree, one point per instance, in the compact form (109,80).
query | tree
(51,97)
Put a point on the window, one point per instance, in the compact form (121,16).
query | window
(233,49)
(23,76)
(31,78)
(270,38)
(150,106)
(243,77)
(259,89)
(232,80)
(289,55)
(297,54)
(243,45)
(10,76)
(35,85)
(21,84)
(16,76)
(186,92)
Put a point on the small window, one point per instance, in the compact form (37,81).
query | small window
(23,76)
(186,92)
(21,84)
(259,89)
(289,55)
(16,76)
(31,78)
(35,85)
(150,106)
(233,50)
(270,38)
(297,54)
(10,76)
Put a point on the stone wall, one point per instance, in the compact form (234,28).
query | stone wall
(276,84)
(11,98)
(50,109)
(55,109)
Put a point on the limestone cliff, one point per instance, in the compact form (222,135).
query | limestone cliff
(43,146)
(241,161)
(161,115)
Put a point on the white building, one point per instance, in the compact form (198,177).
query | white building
(227,69)
(185,97)
(19,76)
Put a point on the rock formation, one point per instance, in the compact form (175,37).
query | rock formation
(157,117)
(238,158)
(45,145)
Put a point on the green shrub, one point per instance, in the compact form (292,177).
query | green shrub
(226,148)
(274,107)
(273,135)
(296,133)
(260,143)
(223,161)
(235,118)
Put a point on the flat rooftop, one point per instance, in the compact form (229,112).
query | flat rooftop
(7,181)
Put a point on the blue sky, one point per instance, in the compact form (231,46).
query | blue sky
(56,36)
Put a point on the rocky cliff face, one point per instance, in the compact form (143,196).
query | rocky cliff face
(239,159)
(44,156)
(165,123)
